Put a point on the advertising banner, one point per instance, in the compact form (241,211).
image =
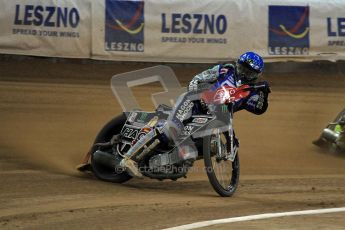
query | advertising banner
(213,31)
(162,30)
(46,28)
(174,31)
(327,31)
(305,30)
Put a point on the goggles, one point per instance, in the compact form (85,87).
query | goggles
(245,72)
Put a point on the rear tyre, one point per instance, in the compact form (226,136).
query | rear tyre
(100,170)
(223,174)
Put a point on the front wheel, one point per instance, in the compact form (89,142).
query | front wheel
(222,173)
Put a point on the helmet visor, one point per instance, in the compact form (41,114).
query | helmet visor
(246,73)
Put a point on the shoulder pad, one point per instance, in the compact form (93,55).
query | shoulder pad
(228,66)
(225,68)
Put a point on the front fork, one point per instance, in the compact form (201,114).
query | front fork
(226,152)
(234,143)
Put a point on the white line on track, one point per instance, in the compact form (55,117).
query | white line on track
(255,217)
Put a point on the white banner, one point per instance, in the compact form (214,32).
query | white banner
(211,31)
(162,30)
(174,31)
(46,28)
(300,30)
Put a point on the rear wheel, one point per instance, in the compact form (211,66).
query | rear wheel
(103,171)
(222,173)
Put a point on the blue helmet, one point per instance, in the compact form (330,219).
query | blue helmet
(249,67)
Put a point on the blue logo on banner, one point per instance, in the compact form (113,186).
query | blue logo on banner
(288,30)
(336,31)
(124,26)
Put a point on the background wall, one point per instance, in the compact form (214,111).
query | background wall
(174,31)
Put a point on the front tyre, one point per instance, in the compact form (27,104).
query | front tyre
(222,173)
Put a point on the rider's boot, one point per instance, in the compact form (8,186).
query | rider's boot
(143,146)
(131,167)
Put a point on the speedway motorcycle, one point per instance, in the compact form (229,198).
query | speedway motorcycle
(330,138)
(205,135)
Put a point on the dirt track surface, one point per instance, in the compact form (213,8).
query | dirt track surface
(47,124)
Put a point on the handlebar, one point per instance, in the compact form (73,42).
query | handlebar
(227,94)
(255,87)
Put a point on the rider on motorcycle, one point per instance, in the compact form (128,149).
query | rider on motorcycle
(340,127)
(246,70)
(340,130)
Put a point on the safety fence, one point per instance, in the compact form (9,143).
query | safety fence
(195,31)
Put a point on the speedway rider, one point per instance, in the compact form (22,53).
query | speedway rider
(340,127)
(246,70)
(340,130)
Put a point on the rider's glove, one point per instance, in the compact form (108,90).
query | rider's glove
(203,104)
(266,89)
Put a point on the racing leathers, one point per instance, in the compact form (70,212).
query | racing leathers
(256,103)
